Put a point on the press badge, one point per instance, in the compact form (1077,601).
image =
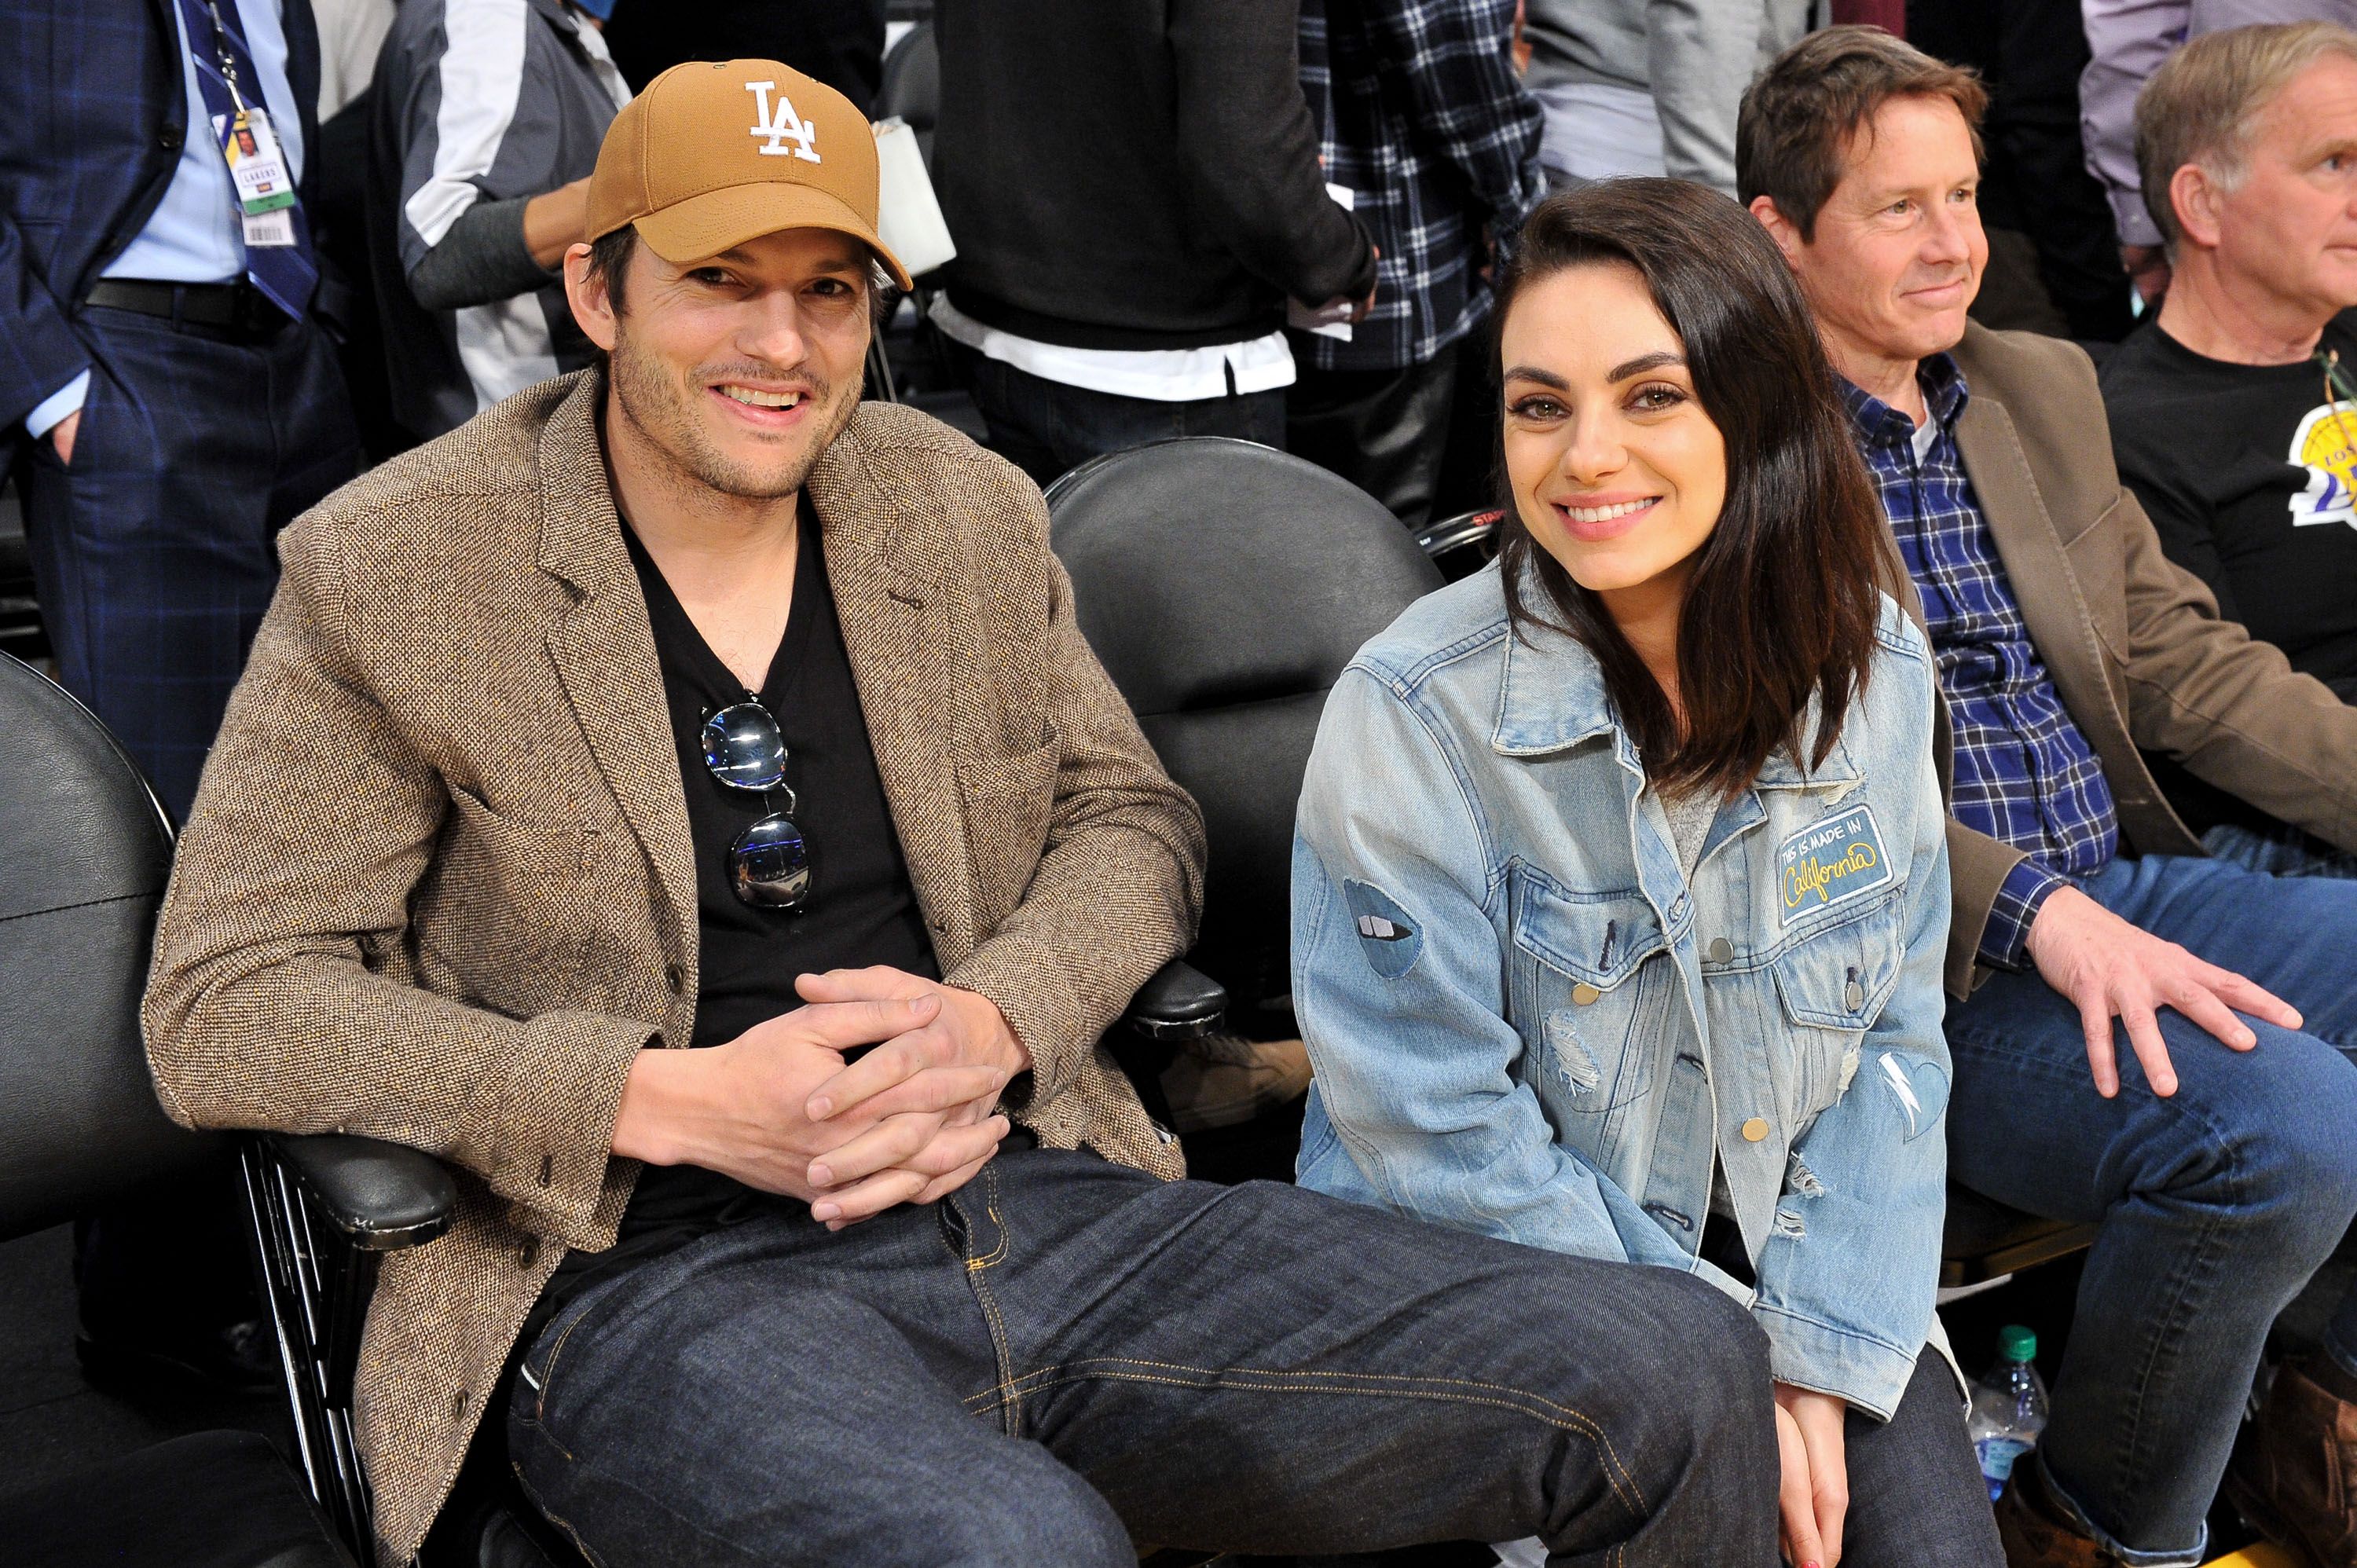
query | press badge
(258,169)
(1829,861)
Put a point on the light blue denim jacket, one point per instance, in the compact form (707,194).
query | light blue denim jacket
(1526,1023)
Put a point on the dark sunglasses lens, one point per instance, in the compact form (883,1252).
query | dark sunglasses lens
(743,749)
(769,866)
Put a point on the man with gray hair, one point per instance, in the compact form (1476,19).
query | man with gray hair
(2230,411)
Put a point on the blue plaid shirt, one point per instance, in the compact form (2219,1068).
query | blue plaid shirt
(1421,116)
(2024,774)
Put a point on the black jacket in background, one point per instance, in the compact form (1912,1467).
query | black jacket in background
(1134,174)
(840,42)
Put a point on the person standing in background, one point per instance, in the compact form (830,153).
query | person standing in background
(172,401)
(840,42)
(1423,125)
(486,122)
(1649,86)
(1133,188)
(2127,40)
(2054,255)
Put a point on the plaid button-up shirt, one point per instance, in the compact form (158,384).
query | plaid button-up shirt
(2024,772)
(1421,116)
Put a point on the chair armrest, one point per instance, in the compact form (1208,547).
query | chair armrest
(379,1197)
(1178,1004)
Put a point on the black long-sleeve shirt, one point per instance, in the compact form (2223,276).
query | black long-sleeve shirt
(1134,174)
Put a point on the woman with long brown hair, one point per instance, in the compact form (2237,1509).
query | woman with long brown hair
(1620,890)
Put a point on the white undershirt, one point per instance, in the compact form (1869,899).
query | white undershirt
(1163,375)
(1925,434)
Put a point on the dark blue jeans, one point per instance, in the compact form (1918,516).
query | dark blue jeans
(1045,427)
(1068,1356)
(2216,1204)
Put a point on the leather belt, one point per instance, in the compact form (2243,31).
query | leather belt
(237,311)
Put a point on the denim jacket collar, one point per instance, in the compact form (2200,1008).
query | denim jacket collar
(1551,697)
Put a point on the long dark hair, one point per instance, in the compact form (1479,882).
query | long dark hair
(1782,604)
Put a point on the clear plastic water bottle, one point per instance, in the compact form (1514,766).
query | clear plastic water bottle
(2008,1407)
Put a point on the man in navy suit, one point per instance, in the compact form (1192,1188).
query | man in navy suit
(168,400)
(174,399)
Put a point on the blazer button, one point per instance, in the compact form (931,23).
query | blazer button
(1720,950)
(528,1253)
(1583,993)
(1755,1130)
(674,977)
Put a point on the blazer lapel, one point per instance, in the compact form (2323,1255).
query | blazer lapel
(603,652)
(911,656)
(2039,569)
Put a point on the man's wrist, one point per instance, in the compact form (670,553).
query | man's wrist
(645,1123)
(2004,940)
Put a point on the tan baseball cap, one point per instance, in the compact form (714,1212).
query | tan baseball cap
(714,153)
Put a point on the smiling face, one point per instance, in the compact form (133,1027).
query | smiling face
(1896,252)
(1617,470)
(734,372)
(2289,225)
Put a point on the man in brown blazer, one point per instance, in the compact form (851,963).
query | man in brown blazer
(2219,1156)
(690,702)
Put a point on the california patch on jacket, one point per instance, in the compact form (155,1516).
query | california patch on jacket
(1829,861)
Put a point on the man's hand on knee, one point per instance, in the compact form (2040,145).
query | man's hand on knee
(2110,968)
(741,1109)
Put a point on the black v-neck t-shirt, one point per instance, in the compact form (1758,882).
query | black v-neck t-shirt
(862,908)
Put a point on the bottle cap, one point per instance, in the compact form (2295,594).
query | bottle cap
(2015,1343)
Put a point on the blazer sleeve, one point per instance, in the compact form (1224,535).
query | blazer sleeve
(2230,708)
(266,1007)
(39,354)
(1415,1059)
(1250,151)
(1868,1178)
(1120,880)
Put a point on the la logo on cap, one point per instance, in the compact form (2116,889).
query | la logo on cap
(781,127)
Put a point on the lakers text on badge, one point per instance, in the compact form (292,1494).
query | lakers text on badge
(2326,446)
(1829,861)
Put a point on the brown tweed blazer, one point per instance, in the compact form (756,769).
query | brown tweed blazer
(437,886)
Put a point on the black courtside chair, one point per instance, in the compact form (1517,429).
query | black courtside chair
(84,853)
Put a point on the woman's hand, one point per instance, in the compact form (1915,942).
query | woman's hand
(1814,1497)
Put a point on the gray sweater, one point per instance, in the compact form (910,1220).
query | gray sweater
(1696,56)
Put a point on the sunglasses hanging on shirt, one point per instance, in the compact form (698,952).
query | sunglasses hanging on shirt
(769,866)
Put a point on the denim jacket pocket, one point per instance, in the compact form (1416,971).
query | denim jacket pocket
(1588,1002)
(1833,983)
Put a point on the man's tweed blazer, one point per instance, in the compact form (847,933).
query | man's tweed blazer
(437,886)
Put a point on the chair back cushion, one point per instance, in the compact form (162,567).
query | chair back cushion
(83,858)
(1224,586)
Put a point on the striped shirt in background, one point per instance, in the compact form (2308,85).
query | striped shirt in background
(480,106)
(1421,118)
(2024,772)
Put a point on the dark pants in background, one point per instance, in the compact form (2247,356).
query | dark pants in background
(1419,440)
(154,553)
(1045,427)
(1067,1356)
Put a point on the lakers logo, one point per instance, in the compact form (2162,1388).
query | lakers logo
(2326,446)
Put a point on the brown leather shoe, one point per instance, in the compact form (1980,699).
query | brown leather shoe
(2294,1473)
(2034,1534)
(1220,1081)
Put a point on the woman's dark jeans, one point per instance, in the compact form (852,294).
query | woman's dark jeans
(1068,1356)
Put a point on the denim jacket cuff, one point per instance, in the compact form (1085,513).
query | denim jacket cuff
(1869,1373)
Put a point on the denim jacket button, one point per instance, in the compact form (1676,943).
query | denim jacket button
(1854,997)
(1720,950)
(1583,993)
(1755,1130)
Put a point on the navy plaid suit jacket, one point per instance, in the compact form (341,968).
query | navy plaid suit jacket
(96,111)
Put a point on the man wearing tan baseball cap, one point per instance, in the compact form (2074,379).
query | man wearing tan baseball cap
(688,701)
